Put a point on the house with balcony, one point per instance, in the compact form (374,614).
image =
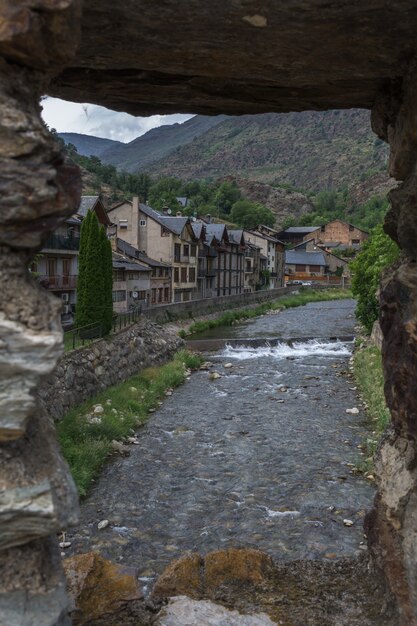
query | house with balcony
(165,238)
(253,278)
(231,274)
(272,254)
(56,266)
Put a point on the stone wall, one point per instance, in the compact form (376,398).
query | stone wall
(169,312)
(82,373)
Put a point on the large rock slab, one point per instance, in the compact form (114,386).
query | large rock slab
(99,589)
(237,57)
(183,611)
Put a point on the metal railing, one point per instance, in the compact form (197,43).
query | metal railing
(58,281)
(78,337)
(60,242)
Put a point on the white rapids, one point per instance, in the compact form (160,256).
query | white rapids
(283,350)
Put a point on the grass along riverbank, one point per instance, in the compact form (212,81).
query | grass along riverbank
(89,433)
(367,370)
(233,317)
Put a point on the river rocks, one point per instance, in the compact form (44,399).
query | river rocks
(191,574)
(182,611)
(99,589)
(103,524)
(214,376)
(182,576)
(228,366)
(98,409)
(353,411)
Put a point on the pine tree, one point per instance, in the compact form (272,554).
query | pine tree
(107,269)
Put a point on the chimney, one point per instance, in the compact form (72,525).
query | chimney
(135,222)
(178,214)
(208,218)
(165,210)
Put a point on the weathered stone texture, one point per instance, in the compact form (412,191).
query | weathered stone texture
(100,589)
(182,610)
(84,372)
(238,57)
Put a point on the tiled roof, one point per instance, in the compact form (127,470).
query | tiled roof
(122,262)
(293,257)
(216,230)
(235,236)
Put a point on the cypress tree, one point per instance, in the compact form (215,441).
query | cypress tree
(80,315)
(107,270)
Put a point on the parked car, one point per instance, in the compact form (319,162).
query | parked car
(306,283)
(291,283)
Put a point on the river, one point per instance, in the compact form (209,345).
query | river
(260,457)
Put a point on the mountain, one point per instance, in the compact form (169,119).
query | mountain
(312,151)
(158,143)
(88,145)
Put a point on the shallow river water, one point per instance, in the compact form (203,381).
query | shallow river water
(260,457)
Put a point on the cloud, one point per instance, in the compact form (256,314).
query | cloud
(91,119)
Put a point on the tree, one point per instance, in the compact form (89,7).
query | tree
(94,289)
(107,267)
(250,214)
(226,196)
(378,252)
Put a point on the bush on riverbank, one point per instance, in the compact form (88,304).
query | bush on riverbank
(367,369)
(232,317)
(86,437)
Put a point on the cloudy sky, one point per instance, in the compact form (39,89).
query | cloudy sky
(90,119)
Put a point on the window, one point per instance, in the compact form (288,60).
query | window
(193,250)
(153,297)
(166,294)
(186,250)
(119,296)
(177,252)
(191,275)
(355,241)
(323,228)
(160,272)
(118,275)
(186,296)
(164,232)
(176,274)
(183,274)
(142,295)
(132,275)
(123,223)
(142,223)
(300,268)
(314,268)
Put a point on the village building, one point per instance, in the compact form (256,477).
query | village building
(298,234)
(338,233)
(131,283)
(56,267)
(165,238)
(253,266)
(272,250)
(160,288)
(302,265)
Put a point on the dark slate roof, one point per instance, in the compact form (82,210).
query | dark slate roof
(133,252)
(87,202)
(216,230)
(197,228)
(174,224)
(301,229)
(235,236)
(292,257)
(122,262)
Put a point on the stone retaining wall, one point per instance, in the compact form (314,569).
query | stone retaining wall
(82,373)
(169,312)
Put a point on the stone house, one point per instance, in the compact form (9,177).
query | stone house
(342,234)
(334,263)
(298,234)
(57,264)
(165,238)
